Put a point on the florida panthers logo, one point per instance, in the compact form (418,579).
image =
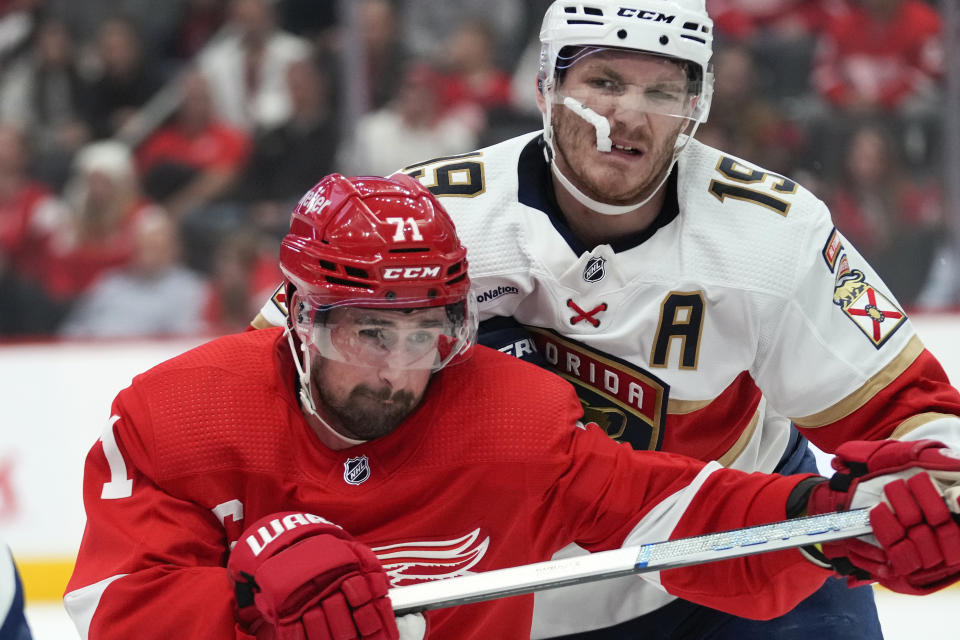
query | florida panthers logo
(356,470)
(412,562)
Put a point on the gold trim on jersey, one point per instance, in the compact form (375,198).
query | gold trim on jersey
(917,421)
(870,388)
(260,322)
(734,452)
(682,407)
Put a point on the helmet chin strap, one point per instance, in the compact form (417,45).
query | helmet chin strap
(605,145)
(306,397)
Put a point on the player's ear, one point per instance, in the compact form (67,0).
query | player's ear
(541,100)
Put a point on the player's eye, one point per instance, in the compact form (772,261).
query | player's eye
(420,339)
(604,84)
(377,338)
(663,94)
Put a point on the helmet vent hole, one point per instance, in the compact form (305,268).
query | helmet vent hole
(355,272)
(456,280)
(410,250)
(593,11)
(454,268)
(343,282)
(570,9)
(664,40)
(622,34)
(329,266)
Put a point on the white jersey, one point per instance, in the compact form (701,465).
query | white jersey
(741,295)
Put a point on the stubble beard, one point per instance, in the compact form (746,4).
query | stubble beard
(366,414)
(571,132)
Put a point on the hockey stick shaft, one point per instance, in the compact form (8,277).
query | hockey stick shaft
(656,556)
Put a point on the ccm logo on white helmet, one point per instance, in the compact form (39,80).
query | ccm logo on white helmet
(645,14)
(410,273)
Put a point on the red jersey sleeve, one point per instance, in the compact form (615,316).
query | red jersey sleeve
(618,496)
(151,565)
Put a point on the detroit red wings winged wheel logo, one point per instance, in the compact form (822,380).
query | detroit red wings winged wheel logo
(412,562)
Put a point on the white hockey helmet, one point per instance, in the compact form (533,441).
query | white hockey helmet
(677,29)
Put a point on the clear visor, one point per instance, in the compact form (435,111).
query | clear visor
(598,86)
(607,96)
(427,338)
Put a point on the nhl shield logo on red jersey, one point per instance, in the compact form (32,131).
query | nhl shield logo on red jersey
(594,270)
(356,470)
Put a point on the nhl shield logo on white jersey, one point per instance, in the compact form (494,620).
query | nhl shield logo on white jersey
(356,470)
(594,270)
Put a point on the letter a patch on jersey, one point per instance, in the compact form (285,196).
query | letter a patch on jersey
(873,313)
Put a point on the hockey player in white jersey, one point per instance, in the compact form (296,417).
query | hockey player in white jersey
(691,297)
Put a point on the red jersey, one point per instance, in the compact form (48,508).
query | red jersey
(493,469)
(218,146)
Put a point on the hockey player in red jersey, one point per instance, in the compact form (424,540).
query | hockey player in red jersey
(274,484)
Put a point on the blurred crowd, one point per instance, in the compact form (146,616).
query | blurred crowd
(150,152)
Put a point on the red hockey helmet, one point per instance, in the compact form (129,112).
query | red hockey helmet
(375,243)
(385,242)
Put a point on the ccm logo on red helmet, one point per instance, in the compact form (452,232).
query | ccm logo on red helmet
(645,14)
(410,273)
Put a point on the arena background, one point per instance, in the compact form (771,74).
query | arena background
(135,138)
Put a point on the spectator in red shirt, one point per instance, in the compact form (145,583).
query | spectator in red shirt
(742,20)
(104,203)
(472,77)
(191,167)
(881,56)
(783,34)
(194,160)
(29,212)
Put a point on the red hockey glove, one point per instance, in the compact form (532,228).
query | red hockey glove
(913,489)
(297,576)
